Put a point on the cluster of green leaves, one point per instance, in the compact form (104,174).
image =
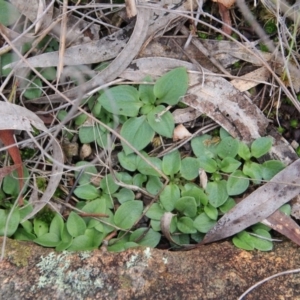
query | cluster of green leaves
(231,166)
(141,111)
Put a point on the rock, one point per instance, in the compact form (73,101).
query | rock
(216,271)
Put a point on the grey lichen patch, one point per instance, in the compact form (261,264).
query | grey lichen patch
(139,260)
(57,271)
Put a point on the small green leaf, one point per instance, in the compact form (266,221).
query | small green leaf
(34,90)
(6,59)
(155,212)
(186,225)
(124,195)
(96,206)
(244,151)
(57,225)
(75,225)
(155,225)
(203,146)
(146,169)
(128,213)
(87,134)
(217,193)
(11,184)
(271,168)
(145,237)
(22,235)
(261,146)
(154,185)
(108,184)
(237,183)
(121,100)
(207,164)
(227,206)
(261,243)
(187,206)
(229,164)
(87,192)
(189,168)
(9,224)
(40,227)
(81,243)
(8,13)
(203,223)
(193,190)
(49,73)
(163,124)
(128,162)
(243,241)
(171,163)
(253,170)
(228,147)
(139,179)
(137,132)
(89,170)
(171,87)
(48,240)
(169,196)
(211,212)
(286,209)
(146,93)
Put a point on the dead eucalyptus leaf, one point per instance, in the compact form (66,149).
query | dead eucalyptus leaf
(226,3)
(284,224)
(259,205)
(165,223)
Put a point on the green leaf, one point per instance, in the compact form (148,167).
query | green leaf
(217,193)
(137,132)
(34,90)
(171,87)
(124,195)
(243,241)
(187,206)
(11,184)
(261,146)
(87,192)
(146,169)
(8,225)
(207,164)
(155,225)
(271,168)
(211,212)
(22,235)
(204,146)
(203,223)
(108,184)
(162,124)
(286,209)
(189,168)
(95,236)
(128,213)
(237,183)
(121,100)
(171,163)
(169,196)
(193,190)
(186,225)
(146,93)
(139,179)
(75,225)
(87,134)
(227,206)
(96,206)
(244,151)
(155,212)
(128,162)
(49,73)
(48,240)
(40,227)
(57,225)
(228,147)
(89,170)
(229,164)
(260,243)
(81,243)
(6,59)
(223,133)
(154,185)
(8,13)
(253,170)
(150,238)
